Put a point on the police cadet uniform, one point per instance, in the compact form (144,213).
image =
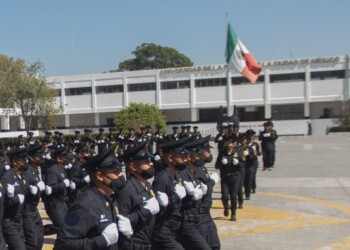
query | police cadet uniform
(76,139)
(254,160)
(32,223)
(201,149)
(168,183)
(230,177)
(101,141)
(174,135)
(137,200)
(57,183)
(93,221)
(189,235)
(30,140)
(2,198)
(77,174)
(268,138)
(14,199)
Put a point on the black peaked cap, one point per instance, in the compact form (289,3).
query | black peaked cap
(175,145)
(139,152)
(17,152)
(106,160)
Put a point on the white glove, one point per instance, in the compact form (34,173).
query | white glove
(87,179)
(152,205)
(215,177)
(245,152)
(124,225)
(7,167)
(163,199)
(0,194)
(110,233)
(197,194)
(21,198)
(48,190)
(10,190)
(220,138)
(157,158)
(180,191)
(204,188)
(33,189)
(267,134)
(235,161)
(47,157)
(66,182)
(68,166)
(224,161)
(72,185)
(41,186)
(189,187)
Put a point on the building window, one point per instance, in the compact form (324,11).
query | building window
(109,89)
(288,112)
(175,85)
(294,77)
(211,115)
(78,91)
(251,113)
(142,87)
(335,74)
(243,80)
(201,83)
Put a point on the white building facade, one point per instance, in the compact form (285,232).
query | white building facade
(292,89)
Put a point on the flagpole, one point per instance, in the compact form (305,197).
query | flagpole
(228,80)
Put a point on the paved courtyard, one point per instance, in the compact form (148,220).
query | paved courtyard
(302,204)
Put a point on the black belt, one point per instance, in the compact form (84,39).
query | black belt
(138,246)
(192,218)
(232,174)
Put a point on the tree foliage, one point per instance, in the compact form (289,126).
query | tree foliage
(26,93)
(152,56)
(138,114)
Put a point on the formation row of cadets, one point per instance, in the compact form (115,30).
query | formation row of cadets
(238,163)
(65,176)
(172,213)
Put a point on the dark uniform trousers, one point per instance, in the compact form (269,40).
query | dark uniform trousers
(254,172)
(189,234)
(56,209)
(229,189)
(209,231)
(168,219)
(12,225)
(33,229)
(2,190)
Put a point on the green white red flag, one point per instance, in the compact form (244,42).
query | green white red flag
(237,55)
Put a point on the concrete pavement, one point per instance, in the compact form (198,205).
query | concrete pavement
(302,204)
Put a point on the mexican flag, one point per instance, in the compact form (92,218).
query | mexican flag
(238,56)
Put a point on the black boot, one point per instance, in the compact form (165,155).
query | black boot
(233,216)
(226,208)
(240,205)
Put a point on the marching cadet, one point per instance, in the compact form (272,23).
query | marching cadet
(101,141)
(149,138)
(93,221)
(77,174)
(57,183)
(268,139)
(230,177)
(170,191)
(174,135)
(32,223)
(20,142)
(30,139)
(159,135)
(76,139)
(14,200)
(60,143)
(2,198)
(189,235)
(243,154)
(255,163)
(183,132)
(131,138)
(200,152)
(137,200)
(196,134)
(188,131)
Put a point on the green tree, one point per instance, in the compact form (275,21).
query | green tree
(139,114)
(152,56)
(27,93)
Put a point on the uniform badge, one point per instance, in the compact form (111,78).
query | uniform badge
(107,204)
(0,185)
(116,210)
(24,182)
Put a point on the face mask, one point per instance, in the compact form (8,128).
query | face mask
(199,162)
(209,159)
(148,174)
(117,184)
(180,166)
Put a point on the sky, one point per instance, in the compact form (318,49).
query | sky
(72,37)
